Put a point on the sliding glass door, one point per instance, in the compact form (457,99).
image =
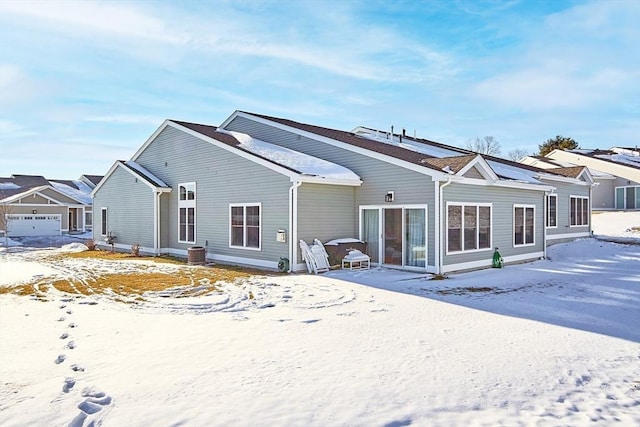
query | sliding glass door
(395,236)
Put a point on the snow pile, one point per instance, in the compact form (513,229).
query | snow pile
(74,247)
(8,241)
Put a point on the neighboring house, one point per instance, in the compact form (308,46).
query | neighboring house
(616,171)
(36,206)
(250,190)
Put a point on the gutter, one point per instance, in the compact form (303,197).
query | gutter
(293,224)
(438,240)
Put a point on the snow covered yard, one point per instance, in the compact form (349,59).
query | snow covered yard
(555,342)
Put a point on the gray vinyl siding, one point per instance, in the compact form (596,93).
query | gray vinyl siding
(564,191)
(221,178)
(378,176)
(502,201)
(326,212)
(603,195)
(129,204)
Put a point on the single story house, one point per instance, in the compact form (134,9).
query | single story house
(616,171)
(249,190)
(32,205)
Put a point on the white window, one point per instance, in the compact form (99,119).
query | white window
(524,225)
(552,211)
(245,224)
(187,212)
(103,221)
(579,211)
(468,227)
(627,197)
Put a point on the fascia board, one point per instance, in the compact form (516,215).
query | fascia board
(49,187)
(437,175)
(524,186)
(482,163)
(37,190)
(150,139)
(248,156)
(566,179)
(319,180)
(137,175)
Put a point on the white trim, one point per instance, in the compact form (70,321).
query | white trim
(336,143)
(571,196)
(188,204)
(471,265)
(524,225)
(227,259)
(624,197)
(292,175)
(575,181)
(568,235)
(446,228)
(244,226)
(380,254)
(489,174)
(104,221)
(546,213)
(132,172)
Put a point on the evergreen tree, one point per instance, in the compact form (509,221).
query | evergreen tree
(559,142)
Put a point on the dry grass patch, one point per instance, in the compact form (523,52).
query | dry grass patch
(179,280)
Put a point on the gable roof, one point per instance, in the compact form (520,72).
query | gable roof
(19,184)
(138,171)
(296,165)
(407,149)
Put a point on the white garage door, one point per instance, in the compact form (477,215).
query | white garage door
(34,225)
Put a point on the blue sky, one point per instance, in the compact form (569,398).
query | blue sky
(83,84)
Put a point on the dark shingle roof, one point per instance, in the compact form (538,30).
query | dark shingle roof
(569,172)
(455,164)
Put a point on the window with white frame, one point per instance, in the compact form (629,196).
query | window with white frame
(187,212)
(552,210)
(627,197)
(245,223)
(103,221)
(468,227)
(579,211)
(524,225)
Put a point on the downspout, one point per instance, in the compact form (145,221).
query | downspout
(545,210)
(439,249)
(293,224)
(156,223)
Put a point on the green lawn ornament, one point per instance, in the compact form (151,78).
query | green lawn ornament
(498,262)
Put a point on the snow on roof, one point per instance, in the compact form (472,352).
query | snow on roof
(514,172)
(303,163)
(82,193)
(620,158)
(145,173)
(407,143)
(8,186)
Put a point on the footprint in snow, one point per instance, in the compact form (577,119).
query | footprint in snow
(63,306)
(64,336)
(60,359)
(95,400)
(77,368)
(61,319)
(69,311)
(68,384)
(73,325)
(310,321)
(70,345)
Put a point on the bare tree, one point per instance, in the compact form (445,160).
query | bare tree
(485,145)
(517,154)
(5,211)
